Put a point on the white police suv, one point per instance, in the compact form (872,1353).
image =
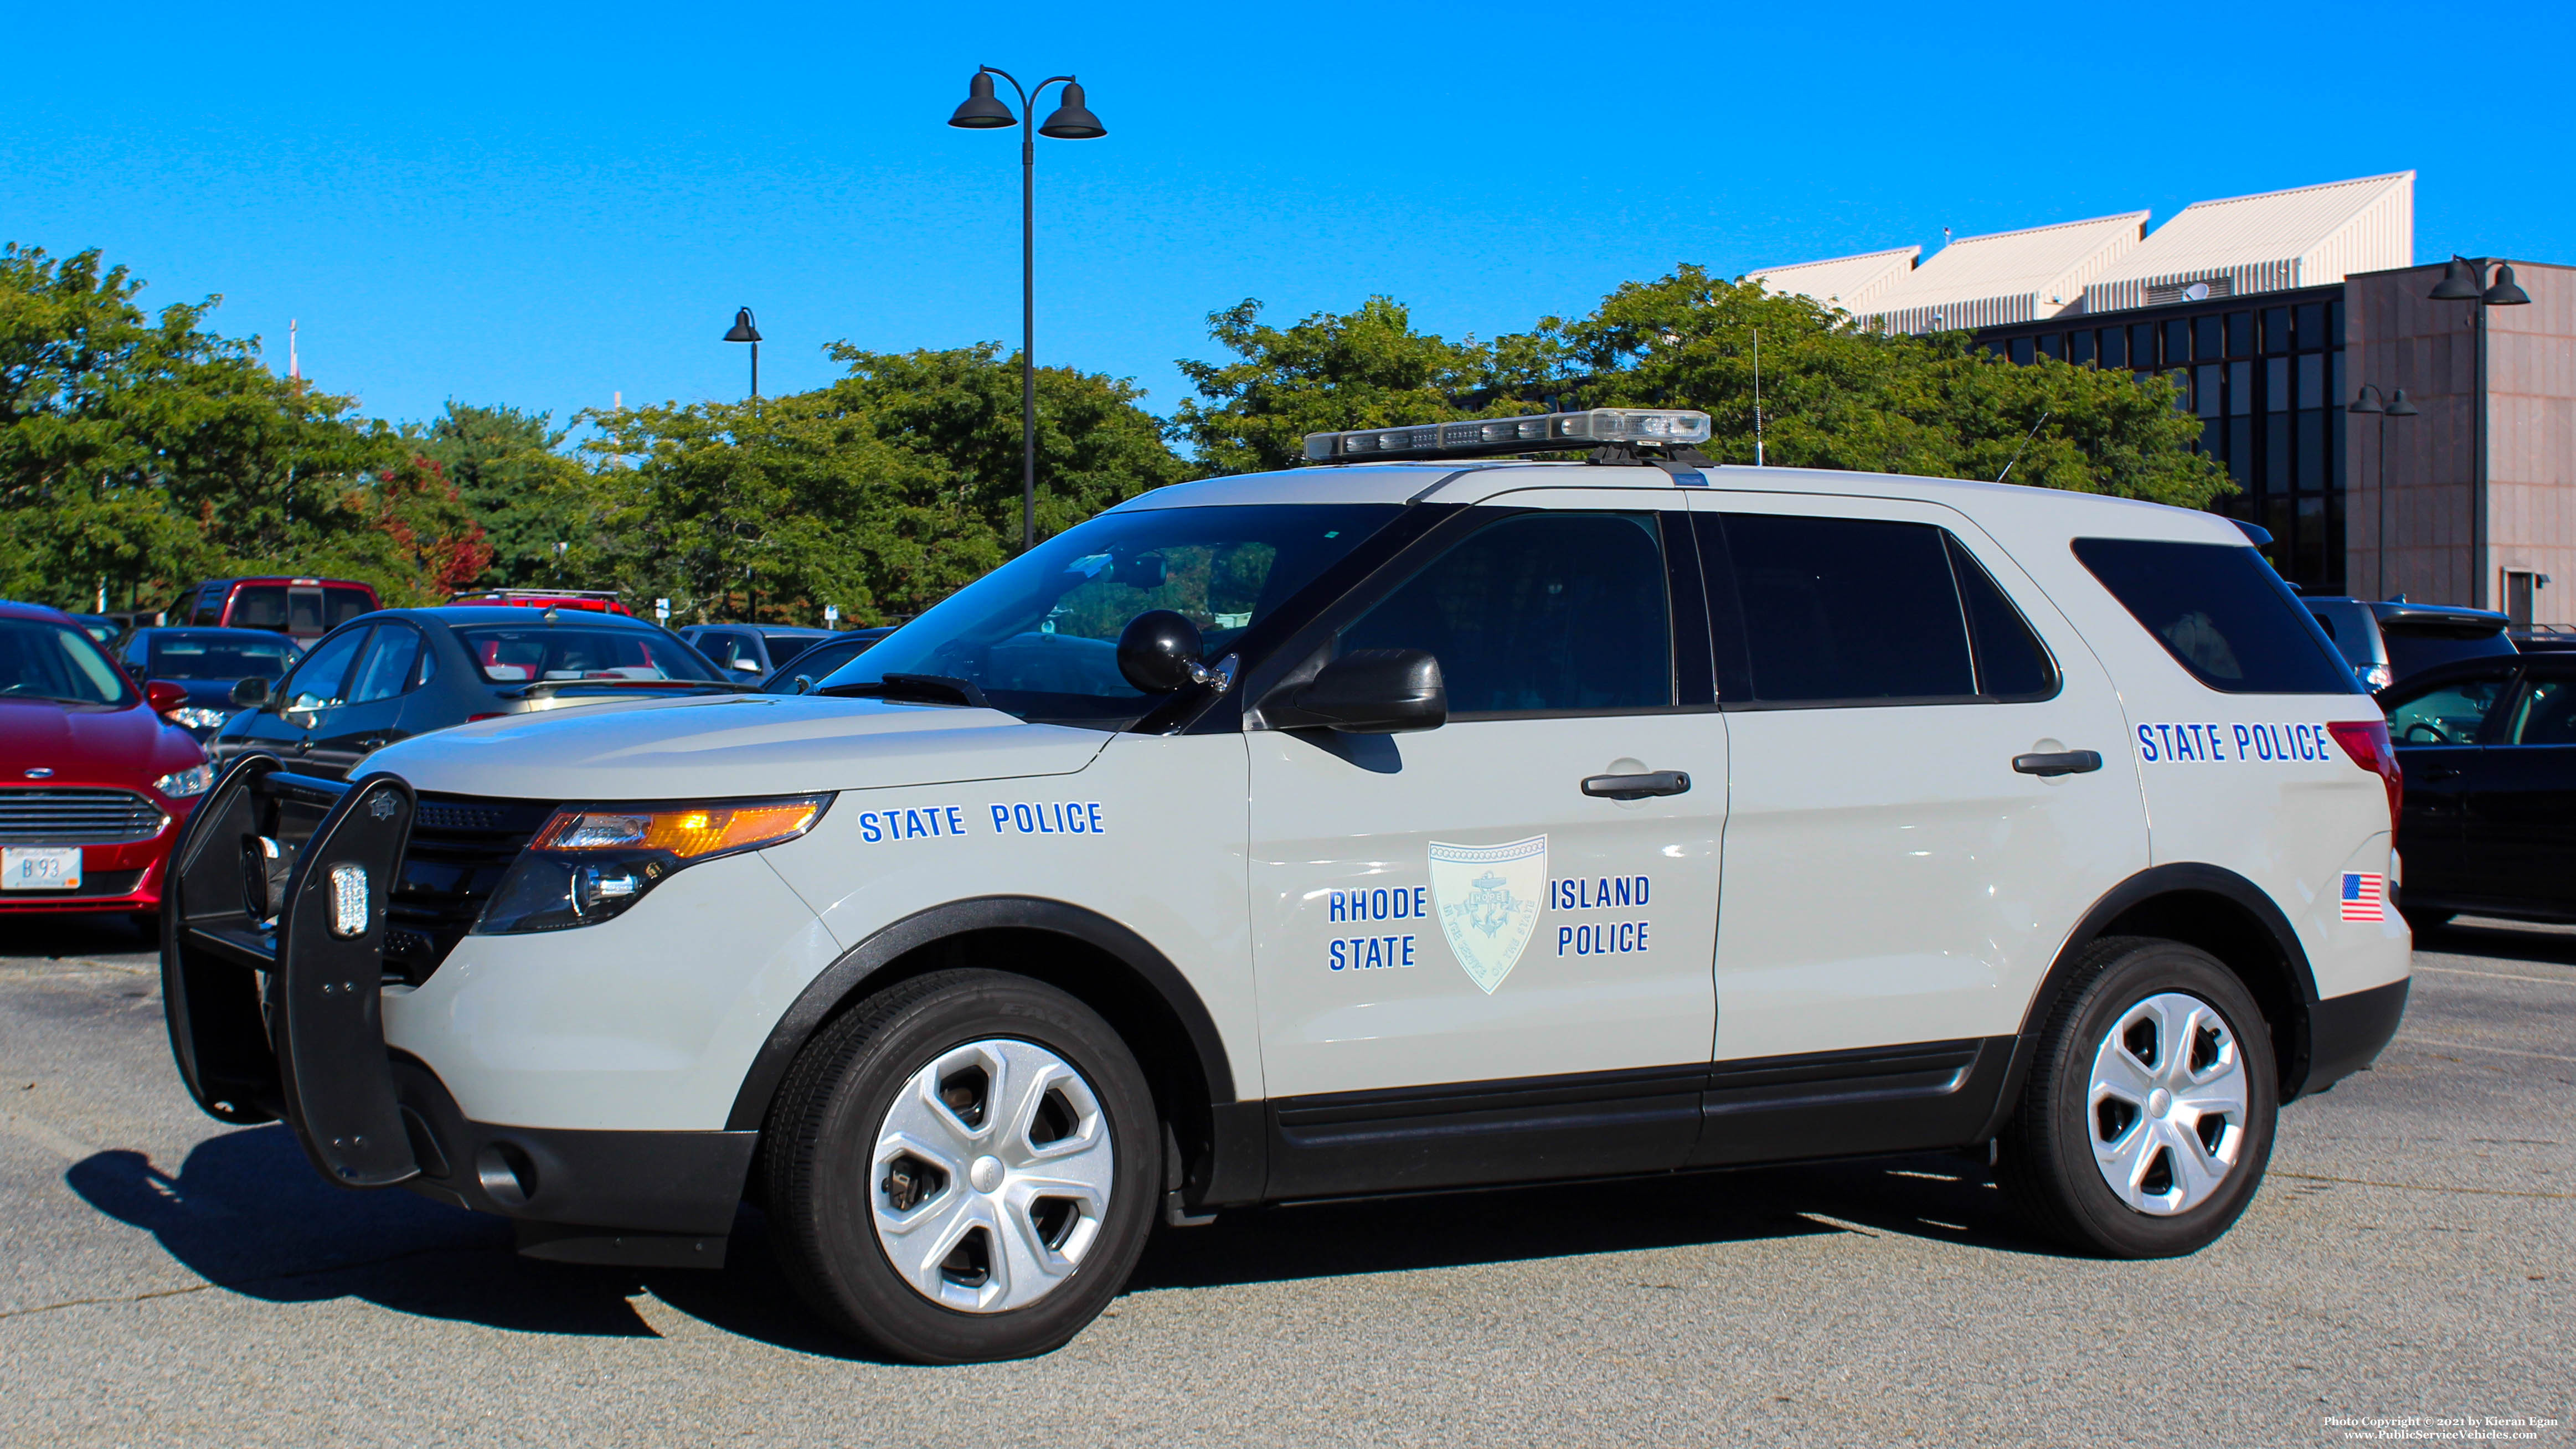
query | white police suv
(1422,819)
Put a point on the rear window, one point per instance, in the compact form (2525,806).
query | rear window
(259,606)
(2221,612)
(522,656)
(220,657)
(785,647)
(340,605)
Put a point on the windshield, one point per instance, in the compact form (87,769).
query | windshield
(1039,635)
(203,656)
(509,655)
(44,660)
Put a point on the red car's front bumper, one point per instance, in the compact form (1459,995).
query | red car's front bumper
(122,876)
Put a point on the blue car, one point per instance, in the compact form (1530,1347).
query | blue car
(207,663)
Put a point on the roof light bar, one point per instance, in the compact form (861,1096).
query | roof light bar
(1545,432)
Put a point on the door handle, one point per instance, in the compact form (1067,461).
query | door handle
(2063,762)
(1637,787)
(2445,774)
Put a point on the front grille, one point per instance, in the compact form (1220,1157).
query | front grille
(460,849)
(76,817)
(95,885)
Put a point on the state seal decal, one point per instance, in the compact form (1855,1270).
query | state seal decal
(1488,899)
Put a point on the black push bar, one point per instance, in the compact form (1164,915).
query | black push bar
(272,988)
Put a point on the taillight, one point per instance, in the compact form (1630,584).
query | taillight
(471,718)
(2367,742)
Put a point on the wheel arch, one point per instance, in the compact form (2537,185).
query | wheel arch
(2208,907)
(1100,962)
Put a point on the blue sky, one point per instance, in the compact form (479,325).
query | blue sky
(546,206)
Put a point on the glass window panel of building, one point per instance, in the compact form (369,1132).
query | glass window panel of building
(2265,376)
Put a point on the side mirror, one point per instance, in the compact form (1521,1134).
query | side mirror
(1366,692)
(1159,651)
(251,693)
(164,695)
(747,666)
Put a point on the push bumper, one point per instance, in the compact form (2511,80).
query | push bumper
(273,996)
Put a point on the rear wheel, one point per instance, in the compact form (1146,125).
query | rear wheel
(2147,1120)
(963,1168)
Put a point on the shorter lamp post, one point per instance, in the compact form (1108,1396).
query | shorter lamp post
(2464,279)
(743,331)
(2394,405)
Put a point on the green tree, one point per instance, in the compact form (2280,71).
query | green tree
(1367,369)
(511,473)
(958,411)
(1833,395)
(882,493)
(138,452)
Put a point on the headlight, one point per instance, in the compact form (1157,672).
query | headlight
(590,862)
(180,784)
(190,717)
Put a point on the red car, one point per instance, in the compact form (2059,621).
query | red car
(94,783)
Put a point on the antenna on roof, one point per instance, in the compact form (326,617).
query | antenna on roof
(1757,397)
(2025,443)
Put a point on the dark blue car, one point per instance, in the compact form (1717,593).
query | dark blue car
(207,663)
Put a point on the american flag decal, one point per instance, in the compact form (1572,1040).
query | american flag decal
(2364,896)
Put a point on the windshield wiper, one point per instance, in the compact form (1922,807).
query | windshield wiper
(914,689)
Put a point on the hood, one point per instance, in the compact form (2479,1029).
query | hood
(732,745)
(125,748)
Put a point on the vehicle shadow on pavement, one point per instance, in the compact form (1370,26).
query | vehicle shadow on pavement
(1944,1198)
(247,1213)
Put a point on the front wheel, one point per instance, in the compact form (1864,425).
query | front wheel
(2147,1119)
(963,1168)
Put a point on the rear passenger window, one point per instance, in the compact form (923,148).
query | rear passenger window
(2221,612)
(1543,613)
(2547,714)
(1862,611)
(2011,662)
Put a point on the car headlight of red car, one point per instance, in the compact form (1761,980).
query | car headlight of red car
(183,784)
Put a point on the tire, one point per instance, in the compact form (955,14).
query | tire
(908,1152)
(2101,1104)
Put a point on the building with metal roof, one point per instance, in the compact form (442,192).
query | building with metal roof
(2279,241)
(2290,322)
(1854,284)
(2007,277)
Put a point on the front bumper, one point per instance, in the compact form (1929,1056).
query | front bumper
(282,1019)
(119,876)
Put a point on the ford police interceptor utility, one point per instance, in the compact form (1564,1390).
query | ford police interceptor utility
(1425,819)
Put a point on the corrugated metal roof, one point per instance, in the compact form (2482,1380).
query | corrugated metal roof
(2308,236)
(2011,276)
(1851,283)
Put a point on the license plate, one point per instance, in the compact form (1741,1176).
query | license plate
(40,868)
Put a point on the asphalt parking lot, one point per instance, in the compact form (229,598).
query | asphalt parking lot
(168,1279)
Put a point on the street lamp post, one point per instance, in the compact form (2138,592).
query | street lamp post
(1072,121)
(2394,405)
(744,331)
(2465,280)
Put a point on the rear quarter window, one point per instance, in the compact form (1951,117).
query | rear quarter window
(2221,612)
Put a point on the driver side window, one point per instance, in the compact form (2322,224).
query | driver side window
(2450,715)
(319,682)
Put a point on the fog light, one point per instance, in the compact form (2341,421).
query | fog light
(348,899)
